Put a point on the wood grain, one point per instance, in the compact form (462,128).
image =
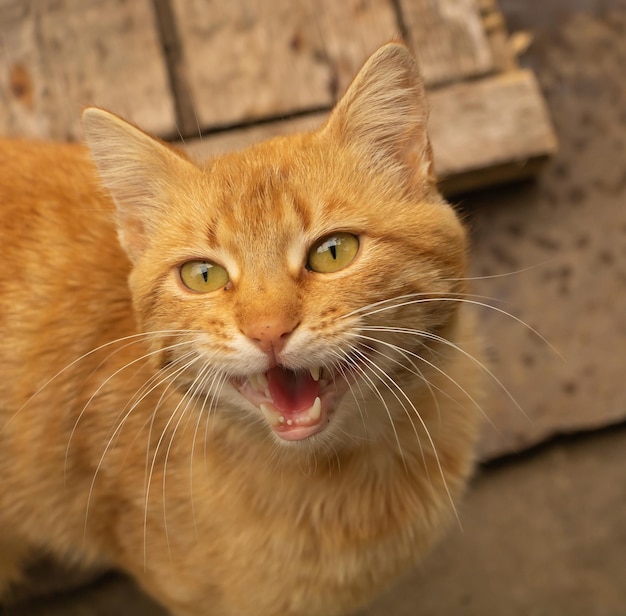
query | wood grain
(207,64)
(483,132)
(57,56)
(449,38)
(249,59)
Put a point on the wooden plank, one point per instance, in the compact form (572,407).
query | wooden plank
(483,132)
(504,57)
(57,56)
(499,123)
(237,139)
(247,59)
(449,39)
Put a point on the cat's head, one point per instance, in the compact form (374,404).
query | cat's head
(304,277)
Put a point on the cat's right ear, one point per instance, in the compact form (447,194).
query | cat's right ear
(140,172)
(383,116)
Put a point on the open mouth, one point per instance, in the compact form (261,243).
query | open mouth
(296,404)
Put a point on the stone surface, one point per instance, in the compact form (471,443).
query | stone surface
(568,231)
(60,55)
(541,537)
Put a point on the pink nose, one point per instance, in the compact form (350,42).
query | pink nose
(270,335)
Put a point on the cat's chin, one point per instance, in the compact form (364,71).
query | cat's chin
(296,405)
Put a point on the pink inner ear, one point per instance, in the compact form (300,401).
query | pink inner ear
(292,391)
(132,236)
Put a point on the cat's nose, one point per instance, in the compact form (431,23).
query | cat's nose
(270,335)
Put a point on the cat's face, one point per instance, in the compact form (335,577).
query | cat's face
(296,275)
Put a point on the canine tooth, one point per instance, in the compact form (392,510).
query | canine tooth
(289,422)
(272,417)
(262,382)
(316,410)
(315,373)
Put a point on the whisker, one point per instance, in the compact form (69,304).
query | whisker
(107,380)
(406,354)
(503,275)
(382,373)
(154,459)
(106,449)
(354,364)
(339,367)
(393,301)
(477,362)
(135,338)
(153,383)
(206,386)
(434,367)
(190,399)
(445,298)
(424,426)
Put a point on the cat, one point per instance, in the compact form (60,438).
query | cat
(249,383)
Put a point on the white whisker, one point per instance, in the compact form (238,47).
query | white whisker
(447,298)
(134,338)
(388,381)
(106,381)
(355,365)
(477,362)
(435,367)
(503,275)
(154,458)
(106,449)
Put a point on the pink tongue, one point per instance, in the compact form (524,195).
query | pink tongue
(292,391)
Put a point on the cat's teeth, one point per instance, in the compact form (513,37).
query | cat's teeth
(316,410)
(313,414)
(259,382)
(315,373)
(262,380)
(273,418)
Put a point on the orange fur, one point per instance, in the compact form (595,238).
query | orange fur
(114,451)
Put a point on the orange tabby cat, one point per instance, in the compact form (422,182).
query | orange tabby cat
(264,402)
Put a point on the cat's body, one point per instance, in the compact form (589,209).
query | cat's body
(216,506)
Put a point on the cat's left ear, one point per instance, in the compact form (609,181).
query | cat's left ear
(141,173)
(383,115)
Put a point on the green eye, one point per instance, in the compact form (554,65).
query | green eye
(203,276)
(333,252)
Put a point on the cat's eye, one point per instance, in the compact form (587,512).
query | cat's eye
(332,253)
(203,276)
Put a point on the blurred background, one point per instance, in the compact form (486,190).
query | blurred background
(528,124)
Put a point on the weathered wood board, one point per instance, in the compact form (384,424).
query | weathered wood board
(489,131)
(495,124)
(250,59)
(299,55)
(194,66)
(57,56)
(449,38)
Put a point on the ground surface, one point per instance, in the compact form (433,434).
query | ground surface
(543,533)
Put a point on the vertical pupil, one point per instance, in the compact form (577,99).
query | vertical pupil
(333,250)
(205,272)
